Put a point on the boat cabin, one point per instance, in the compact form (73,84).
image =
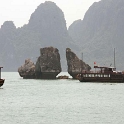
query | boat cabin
(105,69)
(99,72)
(102,74)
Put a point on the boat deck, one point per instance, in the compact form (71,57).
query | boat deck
(104,75)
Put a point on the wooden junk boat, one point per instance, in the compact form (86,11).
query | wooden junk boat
(1,80)
(105,74)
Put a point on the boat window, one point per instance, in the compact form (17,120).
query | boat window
(98,75)
(92,75)
(110,69)
(105,75)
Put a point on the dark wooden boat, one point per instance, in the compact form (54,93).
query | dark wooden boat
(1,80)
(104,74)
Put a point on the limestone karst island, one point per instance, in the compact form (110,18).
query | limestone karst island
(48,65)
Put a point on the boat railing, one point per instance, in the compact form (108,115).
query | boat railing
(91,72)
(102,72)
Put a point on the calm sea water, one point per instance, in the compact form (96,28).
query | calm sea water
(24,101)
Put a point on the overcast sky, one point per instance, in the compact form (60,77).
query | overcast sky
(19,11)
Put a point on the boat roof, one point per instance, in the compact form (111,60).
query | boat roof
(111,67)
(103,67)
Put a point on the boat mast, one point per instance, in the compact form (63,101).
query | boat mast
(0,72)
(82,61)
(114,57)
(82,56)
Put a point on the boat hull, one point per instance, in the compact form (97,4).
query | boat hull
(101,80)
(97,77)
(74,74)
(1,82)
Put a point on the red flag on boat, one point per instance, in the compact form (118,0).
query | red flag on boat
(94,63)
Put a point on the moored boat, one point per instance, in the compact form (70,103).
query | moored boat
(1,80)
(103,74)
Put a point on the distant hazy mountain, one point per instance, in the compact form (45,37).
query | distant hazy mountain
(101,30)
(46,27)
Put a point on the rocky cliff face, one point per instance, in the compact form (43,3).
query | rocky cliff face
(100,32)
(46,27)
(27,71)
(48,65)
(75,65)
(49,23)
